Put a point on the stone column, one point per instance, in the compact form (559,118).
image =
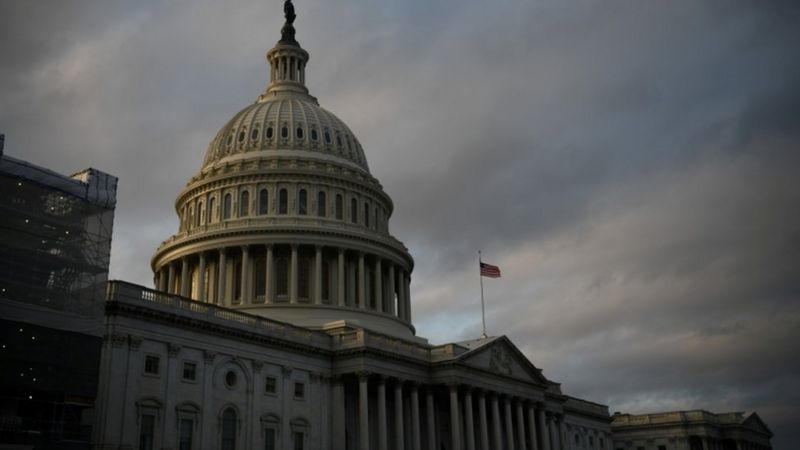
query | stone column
(401,310)
(245,275)
(171,278)
(455,429)
(521,426)
(382,426)
(532,427)
(338,414)
(378,285)
(560,423)
(185,284)
(201,278)
(416,439)
(362,283)
(496,429)
(509,421)
(162,279)
(407,297)
(293,276)
(221,277)
(318,275)
(542,426)
(341,300)
(469,432)
(363,411)
(431,416)
(554,441)
(270,263)
(399,430)
(391,309)
(482,422)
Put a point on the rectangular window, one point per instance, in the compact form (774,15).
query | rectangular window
(298,440)
(269,385)
(189,371)
(185,436)
(151,364)
(299,390)
(269,439)
(147,432)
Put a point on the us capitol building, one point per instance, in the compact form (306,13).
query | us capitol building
(282,314)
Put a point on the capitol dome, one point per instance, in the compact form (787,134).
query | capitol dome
(284,219)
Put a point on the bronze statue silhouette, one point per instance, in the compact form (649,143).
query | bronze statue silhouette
(287,32)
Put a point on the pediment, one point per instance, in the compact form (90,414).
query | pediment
(754,422)
(503,358)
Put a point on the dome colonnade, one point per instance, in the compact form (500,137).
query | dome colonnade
(285,220)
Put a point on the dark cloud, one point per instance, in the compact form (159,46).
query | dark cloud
(631,166)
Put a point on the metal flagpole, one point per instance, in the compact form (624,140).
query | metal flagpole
(483,308)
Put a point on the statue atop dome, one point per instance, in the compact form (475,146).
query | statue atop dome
(287,32)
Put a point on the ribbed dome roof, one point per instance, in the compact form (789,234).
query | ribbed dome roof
(285,122)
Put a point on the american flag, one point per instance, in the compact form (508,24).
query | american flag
(488,270)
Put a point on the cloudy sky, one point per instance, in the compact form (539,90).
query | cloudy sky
(633,167)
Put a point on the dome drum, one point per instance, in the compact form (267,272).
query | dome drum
(272,278)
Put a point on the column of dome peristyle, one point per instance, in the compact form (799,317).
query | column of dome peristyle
(285,219)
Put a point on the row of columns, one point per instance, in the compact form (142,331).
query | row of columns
(392,298)
(516,423)
(287,68)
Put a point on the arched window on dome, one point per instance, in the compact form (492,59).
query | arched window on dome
(303,277)
(302,202)
(339,207)
(322,205)
(226,207)
(244,204)
(210,210)
(377,224)
(284,132)
(282,277)
(198,214)
(242,135)
(299,132)
(366,214)
(327,137)
(254,134)
(263,201)
(228,432)
(314,135)
(269,132)
(283,201)
(354,210)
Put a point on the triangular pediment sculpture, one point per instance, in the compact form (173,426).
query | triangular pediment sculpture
(501,356)
(754,422)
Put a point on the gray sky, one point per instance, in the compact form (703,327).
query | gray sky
(633,167)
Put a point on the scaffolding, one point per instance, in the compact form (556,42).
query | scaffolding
(55,237)
(55,244)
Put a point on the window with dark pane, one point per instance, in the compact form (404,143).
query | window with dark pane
(263,201)
(228,440)
(283,201)
(339,207)
(302,202)
(322,205)
(244,204)
(226,206)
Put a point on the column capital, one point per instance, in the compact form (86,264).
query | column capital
(318,247)
(363,374)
